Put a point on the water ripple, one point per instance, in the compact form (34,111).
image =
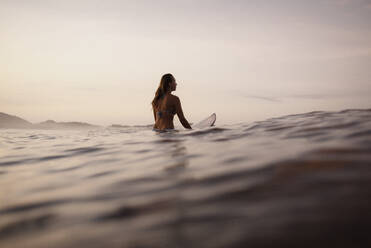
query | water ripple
(259,184)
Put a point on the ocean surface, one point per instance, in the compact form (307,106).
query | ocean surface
(295,181)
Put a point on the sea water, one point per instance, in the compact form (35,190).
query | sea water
(295,181)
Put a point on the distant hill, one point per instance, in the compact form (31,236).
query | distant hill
(50,124)
(10,121)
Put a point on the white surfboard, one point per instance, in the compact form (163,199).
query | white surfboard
(208,122)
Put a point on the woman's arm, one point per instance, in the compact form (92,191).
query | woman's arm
(179,112)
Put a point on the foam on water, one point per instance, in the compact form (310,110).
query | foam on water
(299,180)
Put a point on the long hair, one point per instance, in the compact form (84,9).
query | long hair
(162,88)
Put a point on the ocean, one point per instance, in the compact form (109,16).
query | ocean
(295,181)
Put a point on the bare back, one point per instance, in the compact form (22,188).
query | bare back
(164,112)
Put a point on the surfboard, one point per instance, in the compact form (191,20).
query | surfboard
(208,122)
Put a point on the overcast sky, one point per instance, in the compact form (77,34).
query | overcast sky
(247,60)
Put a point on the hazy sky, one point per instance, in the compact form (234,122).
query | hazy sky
(247,60)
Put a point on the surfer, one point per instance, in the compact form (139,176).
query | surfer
(165,105)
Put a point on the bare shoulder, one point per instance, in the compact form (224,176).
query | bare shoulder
(175,99)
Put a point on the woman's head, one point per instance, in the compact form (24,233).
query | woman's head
(167,84)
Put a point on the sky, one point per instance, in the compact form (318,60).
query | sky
(246,60)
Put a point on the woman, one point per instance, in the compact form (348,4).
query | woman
(165,105)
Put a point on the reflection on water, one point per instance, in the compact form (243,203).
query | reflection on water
(299,181)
